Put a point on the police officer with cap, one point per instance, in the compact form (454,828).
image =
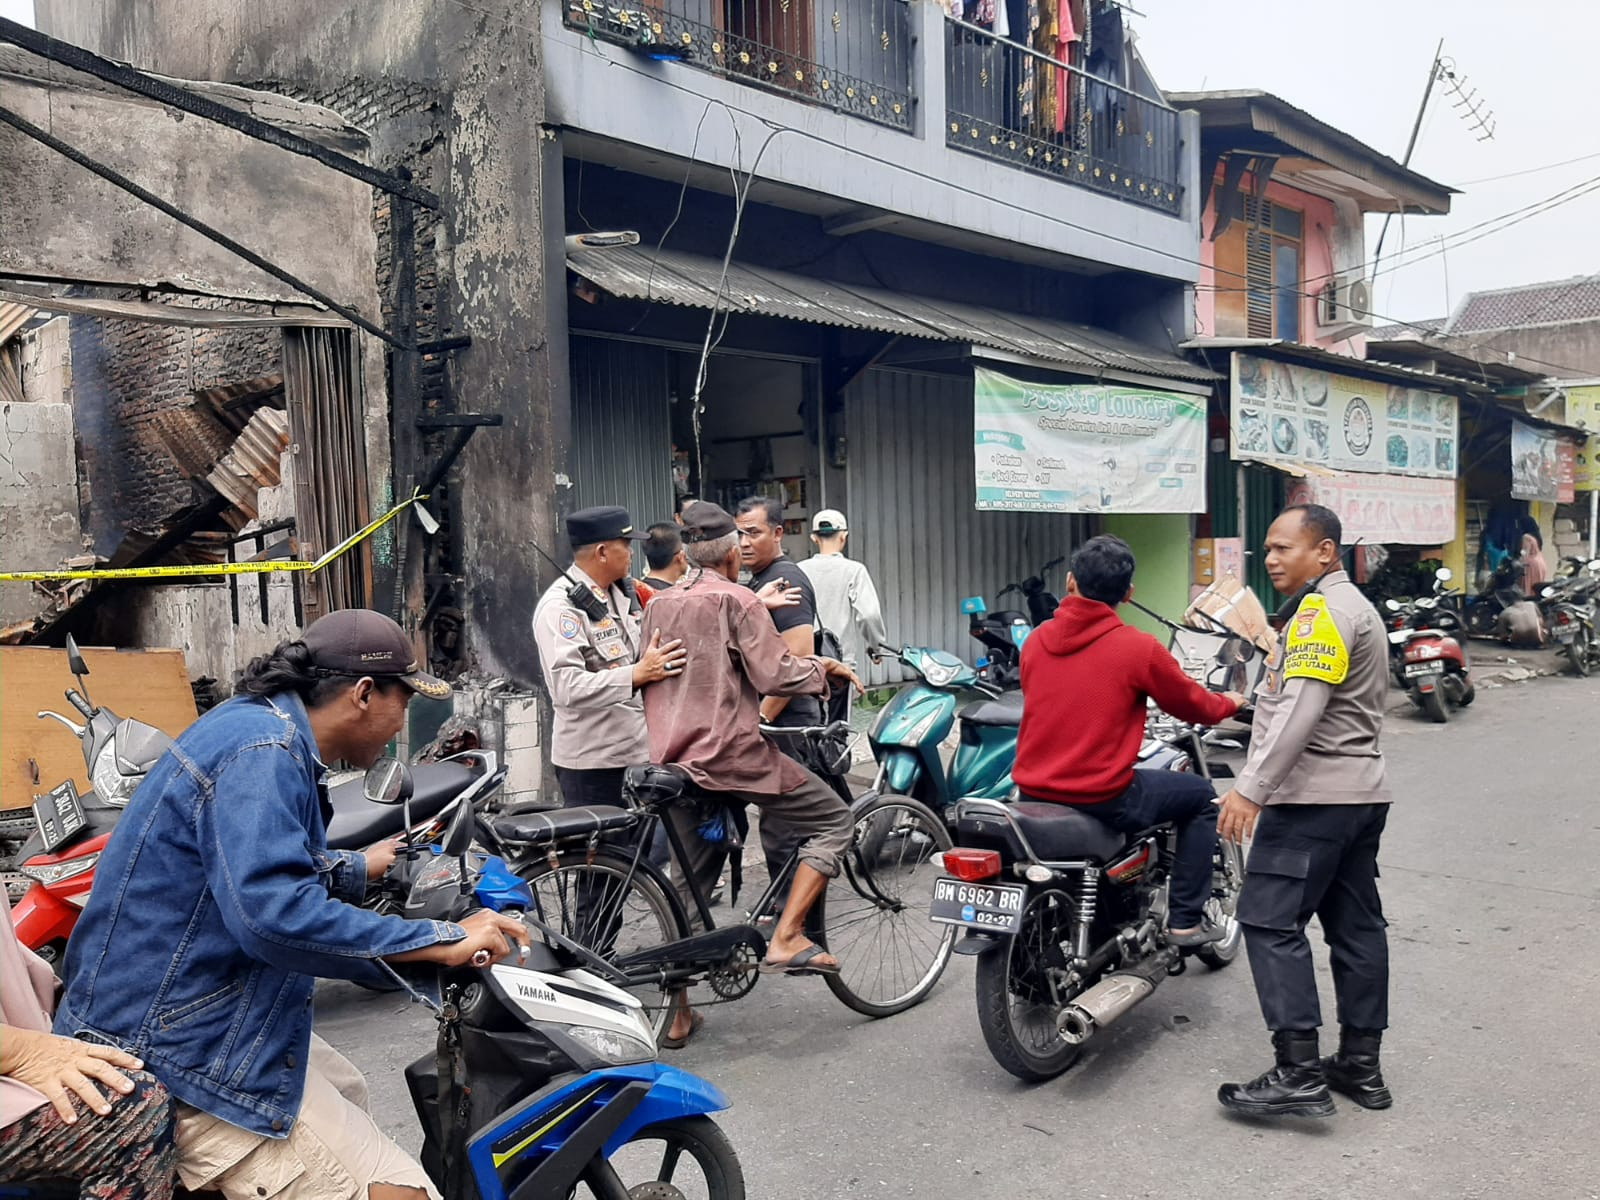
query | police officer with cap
(586,627)
(1316,796)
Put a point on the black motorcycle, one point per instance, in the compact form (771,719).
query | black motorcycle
(1002,632)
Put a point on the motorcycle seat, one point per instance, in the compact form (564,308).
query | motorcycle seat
(1059,831)
(358,822)
(1004,710)
(562,824)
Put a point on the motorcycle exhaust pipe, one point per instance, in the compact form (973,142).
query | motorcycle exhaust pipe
(1112,997)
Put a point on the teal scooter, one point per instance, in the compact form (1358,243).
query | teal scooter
(906,737)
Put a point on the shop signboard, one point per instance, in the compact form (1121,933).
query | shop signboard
(1086,448)
(1543,466)
(1583,410)
(1384,509)
(1287,414)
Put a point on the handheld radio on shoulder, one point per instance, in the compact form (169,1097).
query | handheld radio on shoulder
(580,595)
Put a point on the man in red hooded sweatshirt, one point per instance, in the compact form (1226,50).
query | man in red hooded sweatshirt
(1086,678)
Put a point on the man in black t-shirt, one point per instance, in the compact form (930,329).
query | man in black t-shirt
(760,525)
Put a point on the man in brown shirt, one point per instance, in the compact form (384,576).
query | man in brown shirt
(706,722)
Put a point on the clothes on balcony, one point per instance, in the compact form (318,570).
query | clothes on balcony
(1063,33)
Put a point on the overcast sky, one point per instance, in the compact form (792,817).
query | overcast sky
(1361,65)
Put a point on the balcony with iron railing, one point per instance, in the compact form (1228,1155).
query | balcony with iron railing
(866,104)
(853,56)
(1011,103)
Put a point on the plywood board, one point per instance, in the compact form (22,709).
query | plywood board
(149,685)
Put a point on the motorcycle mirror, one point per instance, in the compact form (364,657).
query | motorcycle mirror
(387,782)
(1548,592)
(1594,564)
(75,659)
(1444,574)
(1392,604)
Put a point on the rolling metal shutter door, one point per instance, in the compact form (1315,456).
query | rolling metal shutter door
(621,429)
(910,490)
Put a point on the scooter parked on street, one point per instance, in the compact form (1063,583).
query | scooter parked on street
(1002,633)
(1569,606)
(907,737)
(1428,653)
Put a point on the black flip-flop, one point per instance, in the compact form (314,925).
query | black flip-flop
(678,1043)
(800,964)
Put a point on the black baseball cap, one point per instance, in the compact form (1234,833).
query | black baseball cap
(358,641)
(603,524)
(704,521)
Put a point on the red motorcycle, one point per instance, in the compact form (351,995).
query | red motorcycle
(1434,668)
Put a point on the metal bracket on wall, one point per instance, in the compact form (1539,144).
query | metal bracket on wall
(465,425)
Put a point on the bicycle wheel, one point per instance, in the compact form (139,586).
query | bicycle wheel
(874,918)
(1019,991)
(688,1158)
(608,907)
(1221,909)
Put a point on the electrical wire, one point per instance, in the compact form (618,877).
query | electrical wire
(1566,162)
(1101,234)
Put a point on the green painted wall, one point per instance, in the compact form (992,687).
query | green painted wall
(1161,543)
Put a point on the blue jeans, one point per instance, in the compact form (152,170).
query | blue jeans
(1187,801)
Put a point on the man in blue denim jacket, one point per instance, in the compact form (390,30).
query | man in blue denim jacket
(218,904)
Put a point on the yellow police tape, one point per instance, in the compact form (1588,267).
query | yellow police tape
(211,570)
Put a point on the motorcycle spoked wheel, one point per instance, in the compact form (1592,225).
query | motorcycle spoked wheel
(651,1165)
(1578,652)
(1017,1002)
(1222,908)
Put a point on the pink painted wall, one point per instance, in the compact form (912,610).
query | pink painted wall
(1320,221)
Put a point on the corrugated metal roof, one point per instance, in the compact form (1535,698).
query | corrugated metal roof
(1341,364)
(672,277)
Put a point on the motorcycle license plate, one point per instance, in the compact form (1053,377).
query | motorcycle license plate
(991,907)
(1564,633)
(1419,670)
(59,815)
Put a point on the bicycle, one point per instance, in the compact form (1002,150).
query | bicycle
(592,882)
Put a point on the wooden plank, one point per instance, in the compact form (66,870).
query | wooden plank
(149,685)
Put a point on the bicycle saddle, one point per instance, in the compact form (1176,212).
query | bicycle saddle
(655,787)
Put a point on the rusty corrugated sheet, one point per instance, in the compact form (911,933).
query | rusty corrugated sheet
(13,316)
(252,462)
(672,277)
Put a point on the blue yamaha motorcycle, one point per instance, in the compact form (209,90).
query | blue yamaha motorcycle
(544,1079)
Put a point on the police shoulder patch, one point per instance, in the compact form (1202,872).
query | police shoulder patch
(568,627)
(1314,648)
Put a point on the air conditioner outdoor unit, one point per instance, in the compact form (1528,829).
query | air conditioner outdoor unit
(1346,300)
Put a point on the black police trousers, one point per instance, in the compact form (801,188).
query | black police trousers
(1317,860)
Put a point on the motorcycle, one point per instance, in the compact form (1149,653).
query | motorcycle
(908,733)
(1068,917)
(1002,633)
(1427,651)
(544,1074)
(71,831)
(1502,591)
(1569,607)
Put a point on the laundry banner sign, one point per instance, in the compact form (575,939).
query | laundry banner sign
(1086,448)
(1288,414)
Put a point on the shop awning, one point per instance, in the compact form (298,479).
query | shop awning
(672,277)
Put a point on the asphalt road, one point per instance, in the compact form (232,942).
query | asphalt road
(1493,899)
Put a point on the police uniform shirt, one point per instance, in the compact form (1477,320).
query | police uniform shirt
(588,667)
(1319,714)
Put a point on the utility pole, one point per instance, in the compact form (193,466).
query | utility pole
(1411,145)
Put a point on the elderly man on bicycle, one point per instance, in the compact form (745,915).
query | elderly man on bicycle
(706,722)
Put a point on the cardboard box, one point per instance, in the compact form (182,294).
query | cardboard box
(1233,605)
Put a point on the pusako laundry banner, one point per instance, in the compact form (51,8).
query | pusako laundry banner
(1086,447)
(1288,414)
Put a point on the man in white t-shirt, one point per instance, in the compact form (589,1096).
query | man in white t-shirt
(847,601)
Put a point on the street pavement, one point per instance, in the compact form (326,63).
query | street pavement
(1493,898)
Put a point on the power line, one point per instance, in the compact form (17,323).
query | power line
(1566,162)
(777,127)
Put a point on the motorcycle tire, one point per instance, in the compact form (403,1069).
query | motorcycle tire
(1433,704)
(1578,652)
(1482,618)
(648,1162)
(1014,975)
(1228,881)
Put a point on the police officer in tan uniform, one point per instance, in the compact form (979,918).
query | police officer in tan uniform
(1315,794)
(586,627)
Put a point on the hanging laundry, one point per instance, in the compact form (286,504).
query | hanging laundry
(1066,33)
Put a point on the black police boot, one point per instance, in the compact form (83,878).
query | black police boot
(1354,1070)
(1295,1087)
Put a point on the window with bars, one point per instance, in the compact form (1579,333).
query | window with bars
(1272,270)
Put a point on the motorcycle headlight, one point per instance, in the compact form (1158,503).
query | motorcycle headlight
(110,784)
(612,1045)
(939,674)
(49,873)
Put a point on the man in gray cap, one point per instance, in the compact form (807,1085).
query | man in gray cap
(586,627)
